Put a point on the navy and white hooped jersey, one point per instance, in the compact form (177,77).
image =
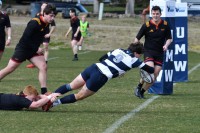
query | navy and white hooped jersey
(118,62)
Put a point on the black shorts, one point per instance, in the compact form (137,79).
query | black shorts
(2,45)
(21,55)
(157,58)
(76,38)
(46,40)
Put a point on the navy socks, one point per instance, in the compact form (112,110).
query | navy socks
(63,89)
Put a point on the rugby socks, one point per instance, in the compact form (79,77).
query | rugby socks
(68,99)
(142,91)
(64,89)
(43,90)
(76,56)
(140,85)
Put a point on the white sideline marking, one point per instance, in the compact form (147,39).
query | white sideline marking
(52,58)
(84,52)
(132,113)
(119,122)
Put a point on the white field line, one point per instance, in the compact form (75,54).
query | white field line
(132,113)
(53,58)
(84,52)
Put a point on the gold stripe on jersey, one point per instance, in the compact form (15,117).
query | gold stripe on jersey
(165,22)
(38,20)
(147,24)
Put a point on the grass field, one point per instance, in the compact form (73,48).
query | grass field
(174,113)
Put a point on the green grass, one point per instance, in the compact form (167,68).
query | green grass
(178,112)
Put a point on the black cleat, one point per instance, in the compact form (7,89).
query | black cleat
(137,92)
(142,95)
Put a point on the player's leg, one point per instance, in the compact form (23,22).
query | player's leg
(74,49)
(91,79)
(158,60)
(80,43)
(46,51)
(139,91)
(77,83)
(12,65)
(40,63)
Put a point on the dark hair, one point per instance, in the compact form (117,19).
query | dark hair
(72,10)
(50,8)
(136,47)
(155,8)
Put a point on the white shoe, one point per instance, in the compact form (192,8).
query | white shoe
(79,47)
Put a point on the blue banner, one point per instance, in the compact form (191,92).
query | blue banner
(175,65)
(181,50)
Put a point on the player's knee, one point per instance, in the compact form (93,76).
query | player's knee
(43,67)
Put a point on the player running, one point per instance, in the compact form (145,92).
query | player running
(157,39)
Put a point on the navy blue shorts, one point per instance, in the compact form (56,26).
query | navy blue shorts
(94,78)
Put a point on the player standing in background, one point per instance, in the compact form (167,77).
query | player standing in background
(46,39)
(113,64)
(4,25)
(84,27)
(157,39)
(76,34)
(28,46)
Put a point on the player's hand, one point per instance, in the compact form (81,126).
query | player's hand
(8,42)
(47,36)
(66,35)
(165,48)
(40,51)
(54,96)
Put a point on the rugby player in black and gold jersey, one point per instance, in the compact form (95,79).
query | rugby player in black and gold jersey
(157,39)
(28,46)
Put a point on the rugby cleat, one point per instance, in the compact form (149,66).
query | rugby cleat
(30,66)
(137,92)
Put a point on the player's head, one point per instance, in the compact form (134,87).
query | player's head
(49,13)
(50,9)
(83,17)
(156,8)
(156,14)
(30,92)
(136,47)
(72,12)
